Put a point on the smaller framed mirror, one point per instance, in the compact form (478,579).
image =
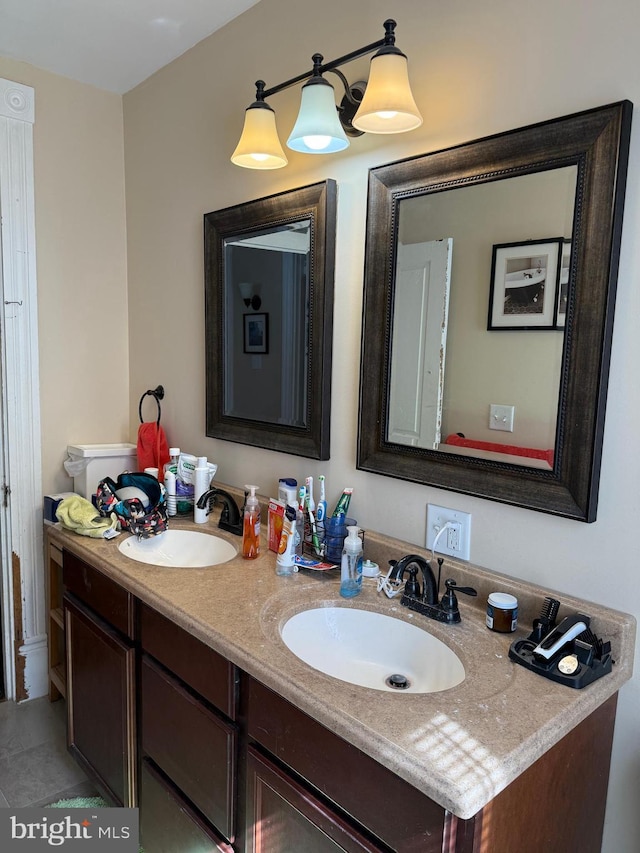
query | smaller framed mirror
(269,269)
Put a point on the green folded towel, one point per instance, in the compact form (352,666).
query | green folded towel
(80,515)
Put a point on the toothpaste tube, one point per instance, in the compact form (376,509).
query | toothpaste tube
(317,565)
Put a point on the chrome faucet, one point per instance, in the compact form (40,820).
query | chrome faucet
(424,599)
(230,517)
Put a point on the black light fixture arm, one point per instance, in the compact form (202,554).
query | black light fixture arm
(319,69)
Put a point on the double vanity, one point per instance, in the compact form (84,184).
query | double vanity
(184,698)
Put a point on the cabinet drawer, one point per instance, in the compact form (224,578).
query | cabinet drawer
(199,666)
(167,821)
(104,596)
(191,744)
(393,810)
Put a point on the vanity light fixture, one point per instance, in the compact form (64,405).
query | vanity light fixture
(383,105)
(250,294)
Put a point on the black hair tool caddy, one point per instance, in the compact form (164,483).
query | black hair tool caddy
(569,653)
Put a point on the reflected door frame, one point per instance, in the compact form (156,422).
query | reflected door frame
(418,349)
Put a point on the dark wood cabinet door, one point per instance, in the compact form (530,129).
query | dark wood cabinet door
(100,702)
(283,816)
(168,822)
(391,809)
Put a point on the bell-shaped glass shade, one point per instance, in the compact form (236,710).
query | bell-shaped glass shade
(317,129)
(259,146)
(388,105)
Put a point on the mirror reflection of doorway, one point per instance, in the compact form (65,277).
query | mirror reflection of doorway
(420,317)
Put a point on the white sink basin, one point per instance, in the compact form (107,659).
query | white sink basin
(368,648)
(187,549)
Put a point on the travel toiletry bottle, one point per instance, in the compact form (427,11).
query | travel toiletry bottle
(351,566)
(287,490)
(202,481)
(251,525)
(172,464)
(285,560)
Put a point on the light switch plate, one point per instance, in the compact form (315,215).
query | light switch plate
(501,417)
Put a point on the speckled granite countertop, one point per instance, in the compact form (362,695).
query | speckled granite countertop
(460,747)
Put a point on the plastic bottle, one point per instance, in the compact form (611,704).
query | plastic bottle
(170,486)
(170,472)
(351,565)
(251,525)
(202,482)
(172,464)
(287,490)
(285,559)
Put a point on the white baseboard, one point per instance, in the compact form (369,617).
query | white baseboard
(36,666)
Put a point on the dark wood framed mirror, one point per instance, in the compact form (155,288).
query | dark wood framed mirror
(269,269)
(521,223)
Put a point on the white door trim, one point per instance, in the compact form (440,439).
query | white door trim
(25,639)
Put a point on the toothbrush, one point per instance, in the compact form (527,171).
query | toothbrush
(321,509)
(311,504)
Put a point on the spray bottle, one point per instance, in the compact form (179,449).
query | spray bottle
(251,525)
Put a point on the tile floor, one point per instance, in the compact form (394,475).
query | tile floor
(35,767)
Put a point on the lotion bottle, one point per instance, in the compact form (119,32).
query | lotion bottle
(202,481)
(351,565)
(170,486)
(251,525)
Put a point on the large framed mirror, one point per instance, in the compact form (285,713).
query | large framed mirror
(269,269)
(489,292)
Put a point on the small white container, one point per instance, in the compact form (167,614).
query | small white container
(103,460)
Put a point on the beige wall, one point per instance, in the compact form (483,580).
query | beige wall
(81,265)
(476,69)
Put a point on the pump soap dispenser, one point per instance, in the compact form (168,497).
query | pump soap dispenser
(251,525)
(351,566)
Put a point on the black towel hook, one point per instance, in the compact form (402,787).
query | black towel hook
(157,394)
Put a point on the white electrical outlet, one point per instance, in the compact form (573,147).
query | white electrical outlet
(456,539)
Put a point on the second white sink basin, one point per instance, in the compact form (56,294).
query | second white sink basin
(187,549)
(372,650)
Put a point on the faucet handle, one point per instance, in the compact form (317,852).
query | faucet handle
(450,585)
(449,603)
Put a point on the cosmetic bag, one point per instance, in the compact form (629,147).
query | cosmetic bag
(133,515)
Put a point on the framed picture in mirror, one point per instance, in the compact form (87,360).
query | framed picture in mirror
(563,284)
(256,333)
(524,285)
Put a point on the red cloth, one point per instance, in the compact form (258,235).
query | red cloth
(153,449)
(531,452)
